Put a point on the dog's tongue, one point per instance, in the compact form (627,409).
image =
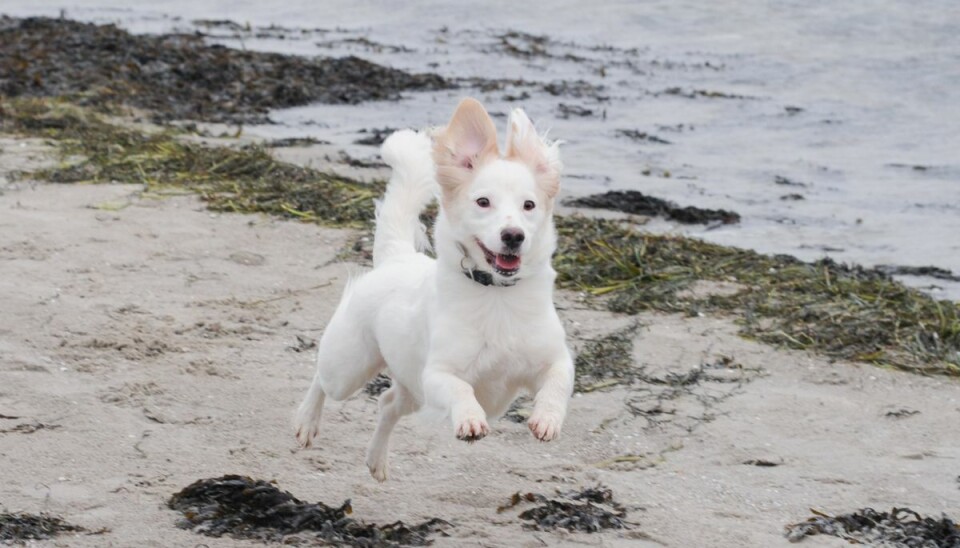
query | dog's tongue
(508,262)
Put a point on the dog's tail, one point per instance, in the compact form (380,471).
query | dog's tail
(412,186)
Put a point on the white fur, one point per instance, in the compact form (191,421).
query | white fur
(448,342)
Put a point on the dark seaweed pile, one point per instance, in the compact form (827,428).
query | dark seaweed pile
(179,76)
(900,527)
(637,203)
(586,511)
(244,508)
(22,527)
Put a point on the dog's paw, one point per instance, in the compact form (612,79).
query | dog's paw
(545,426)
(472,429)
(306,434)
(378,468)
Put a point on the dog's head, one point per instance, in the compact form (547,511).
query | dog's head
(499,207)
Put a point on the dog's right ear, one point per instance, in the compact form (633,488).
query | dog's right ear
(469,140)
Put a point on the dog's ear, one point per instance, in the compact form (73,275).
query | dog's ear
(469,140)
(524,145)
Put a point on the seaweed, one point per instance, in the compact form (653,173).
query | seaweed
(519,411)
(295,142)
(244,179)
(900,527)
(701,93)
(375,137)
(179,76)
(29,428)
(566,111)
(637,135)
(586,511)
(378,385)
(23,527)
(637,203)
(901,413)
(842,311)
(243,508)
(606,361)
(762,463)
(931,271)
(687,400)
(784,181)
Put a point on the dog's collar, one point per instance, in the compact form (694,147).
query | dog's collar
(482,277)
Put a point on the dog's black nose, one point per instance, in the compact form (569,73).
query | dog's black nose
(511,237)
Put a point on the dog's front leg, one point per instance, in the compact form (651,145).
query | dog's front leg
(555,386)
(446,391)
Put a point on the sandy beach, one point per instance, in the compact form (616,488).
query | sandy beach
(180,212)
(148,343)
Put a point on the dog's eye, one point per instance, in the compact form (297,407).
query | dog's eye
(528,205)
(483,202)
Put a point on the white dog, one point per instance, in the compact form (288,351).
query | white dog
(467,332)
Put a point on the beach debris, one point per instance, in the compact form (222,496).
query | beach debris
(28,428)
(784,181)
(841,311)
(901,413)
(763,463)
(520,410)
(288,142)
(19,527)
(180,76)
(637,135)
(378,385)
(345,158)
(686,400)
(247,179)
(930,271)
(637,203)
(701,94)
(606,361)
(838,310)
(566,111)
(900,527)
(587,511)
(244,508)
(303,344)
(374,137)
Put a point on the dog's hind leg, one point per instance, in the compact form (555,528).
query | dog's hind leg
(346,360)
(307,421)
(394,403)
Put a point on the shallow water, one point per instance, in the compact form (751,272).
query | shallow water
(856,104)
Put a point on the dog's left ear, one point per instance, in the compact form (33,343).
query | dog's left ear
(524,145)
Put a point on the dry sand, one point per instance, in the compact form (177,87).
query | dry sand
(156,340)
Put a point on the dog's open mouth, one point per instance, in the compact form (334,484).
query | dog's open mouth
(504,263)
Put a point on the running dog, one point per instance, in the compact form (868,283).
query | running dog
(467,332)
